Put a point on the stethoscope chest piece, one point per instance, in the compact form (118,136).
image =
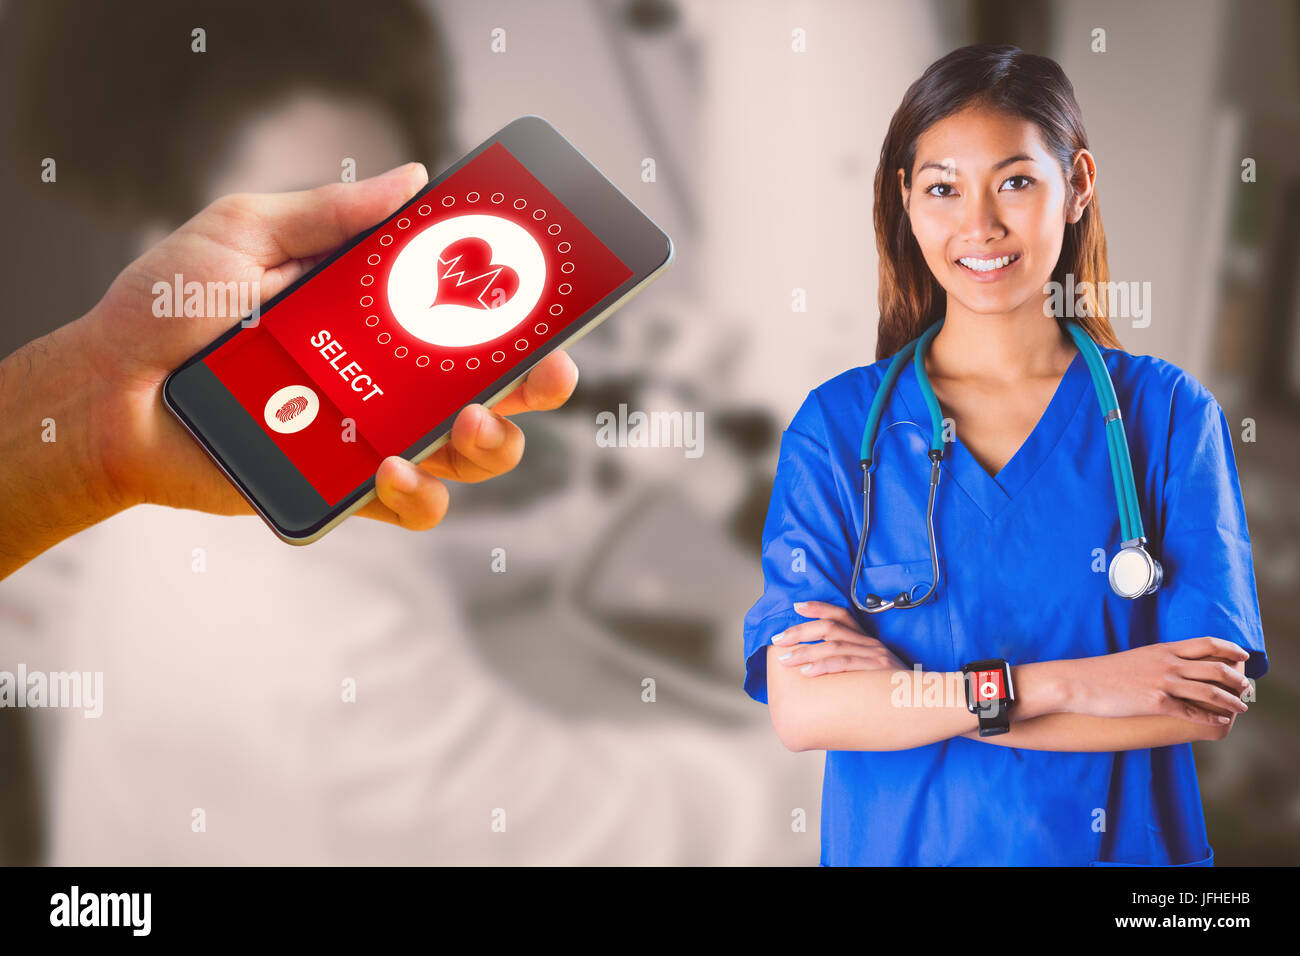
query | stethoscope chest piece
(1133,572)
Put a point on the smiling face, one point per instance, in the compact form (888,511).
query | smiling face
(988,206)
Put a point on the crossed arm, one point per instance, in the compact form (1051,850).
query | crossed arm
(1153,696)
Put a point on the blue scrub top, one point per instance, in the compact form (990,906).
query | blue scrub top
(1023,562)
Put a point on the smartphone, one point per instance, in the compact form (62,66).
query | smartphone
(520,248)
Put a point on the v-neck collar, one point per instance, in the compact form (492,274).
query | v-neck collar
(992,494)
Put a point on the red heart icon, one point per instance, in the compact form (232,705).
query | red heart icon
(468,276)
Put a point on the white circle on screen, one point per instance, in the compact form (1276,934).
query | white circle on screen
(466,280)
(291,409)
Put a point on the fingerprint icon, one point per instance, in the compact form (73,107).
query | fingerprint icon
(292,408)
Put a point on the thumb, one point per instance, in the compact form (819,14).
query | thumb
(299,225)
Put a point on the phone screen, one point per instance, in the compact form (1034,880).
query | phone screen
(404,328)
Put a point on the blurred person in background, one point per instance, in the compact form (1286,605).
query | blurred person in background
(225,736)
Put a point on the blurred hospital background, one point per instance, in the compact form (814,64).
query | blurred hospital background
(523,690)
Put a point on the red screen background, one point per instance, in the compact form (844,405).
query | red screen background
(422,384)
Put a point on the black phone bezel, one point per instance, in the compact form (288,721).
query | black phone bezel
(613,218)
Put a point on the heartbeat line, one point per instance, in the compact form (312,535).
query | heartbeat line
(489,280)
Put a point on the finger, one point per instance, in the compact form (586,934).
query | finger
(1176,707)
(826,610)
(1237,663)
(483,445)
(1217,672)
(1198,647)
(282,276)
(273,228)
(547,385)
(407,496)
(864,658)
(1199,692)
(822,630)
(838,664)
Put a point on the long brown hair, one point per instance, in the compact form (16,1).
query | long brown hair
(1008,79)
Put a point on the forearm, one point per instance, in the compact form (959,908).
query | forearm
(891,709)
(50,485)
(1073,731)
(1085,733)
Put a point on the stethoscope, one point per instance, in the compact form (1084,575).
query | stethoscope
(1133,571)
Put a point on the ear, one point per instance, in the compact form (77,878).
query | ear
(1083,185)
(903,190)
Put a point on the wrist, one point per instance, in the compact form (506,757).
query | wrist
(114,416)
(1041,688)
(51,395)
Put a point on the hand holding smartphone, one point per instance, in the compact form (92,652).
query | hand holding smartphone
(518,249)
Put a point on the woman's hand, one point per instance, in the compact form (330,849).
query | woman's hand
(1200,679)
(143,455)
(843,647)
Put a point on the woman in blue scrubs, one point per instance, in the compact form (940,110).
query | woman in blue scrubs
(988,229)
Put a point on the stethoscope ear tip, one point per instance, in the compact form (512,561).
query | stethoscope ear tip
(876,603)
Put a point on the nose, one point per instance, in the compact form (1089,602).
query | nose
(980,222)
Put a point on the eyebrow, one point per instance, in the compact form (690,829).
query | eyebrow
(1018,158)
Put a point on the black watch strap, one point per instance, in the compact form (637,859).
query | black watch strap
(995,718)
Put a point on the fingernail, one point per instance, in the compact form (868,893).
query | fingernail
(406,478)
(786,656)
(778,638)
(491,434)
(800,605)
(805,669)
(1222,720)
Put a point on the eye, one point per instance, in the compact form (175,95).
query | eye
(930,190)
(1028,181)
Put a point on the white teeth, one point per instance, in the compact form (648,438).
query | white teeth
(985,265)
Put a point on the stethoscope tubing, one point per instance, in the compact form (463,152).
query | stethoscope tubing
(1121,463)
(1131,531)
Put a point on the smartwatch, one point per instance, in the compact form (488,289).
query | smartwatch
(989,694)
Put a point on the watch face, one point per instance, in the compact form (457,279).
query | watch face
(988,685)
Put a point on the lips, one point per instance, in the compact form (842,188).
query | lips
(985,268)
